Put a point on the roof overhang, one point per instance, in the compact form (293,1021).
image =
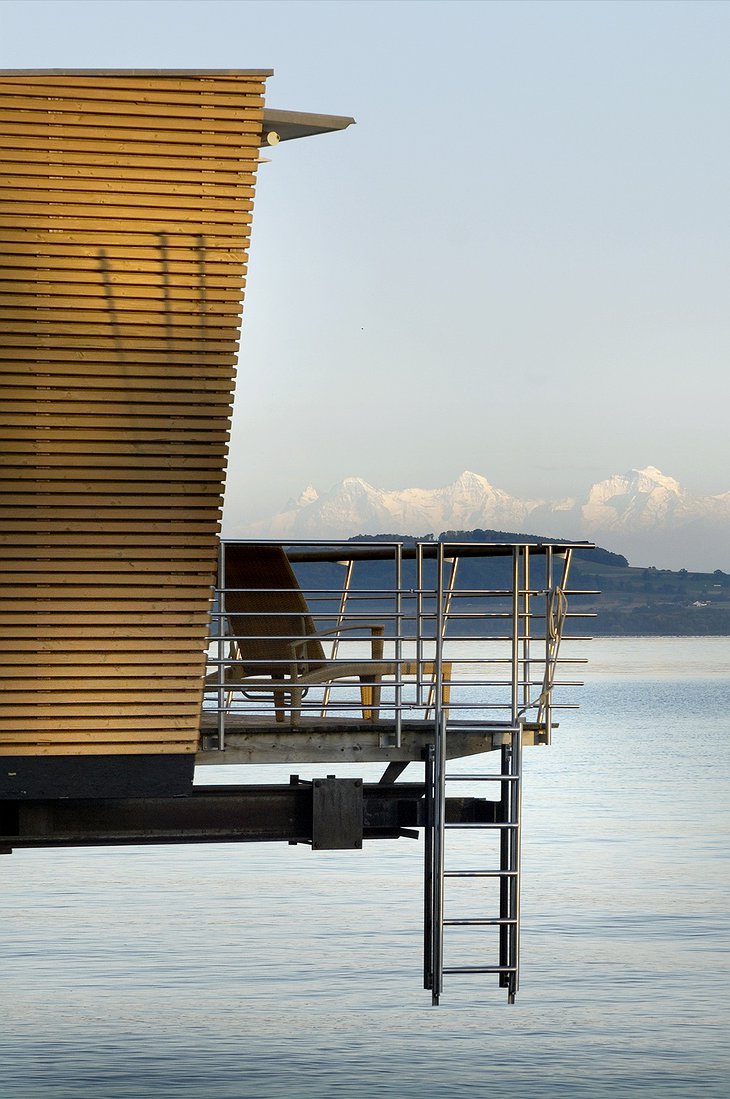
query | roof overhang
(287,125)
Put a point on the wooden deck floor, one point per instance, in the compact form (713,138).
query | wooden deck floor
(350,740)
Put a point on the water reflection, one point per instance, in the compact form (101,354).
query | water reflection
(254,971)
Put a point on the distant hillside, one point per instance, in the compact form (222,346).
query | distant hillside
(633,601)
(636,601)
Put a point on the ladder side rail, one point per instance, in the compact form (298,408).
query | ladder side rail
(515,836)
(439,832)
(428,868)
(505,882)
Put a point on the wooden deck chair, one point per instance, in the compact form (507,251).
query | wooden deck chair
(276,649)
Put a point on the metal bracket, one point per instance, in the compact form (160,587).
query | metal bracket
(337,813)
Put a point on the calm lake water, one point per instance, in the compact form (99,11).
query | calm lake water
(246,971)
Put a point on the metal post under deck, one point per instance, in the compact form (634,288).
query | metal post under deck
(221,645)
(439,786)
(428,868)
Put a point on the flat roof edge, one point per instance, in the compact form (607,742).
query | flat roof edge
(136,72)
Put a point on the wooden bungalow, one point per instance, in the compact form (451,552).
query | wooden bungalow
(133,643)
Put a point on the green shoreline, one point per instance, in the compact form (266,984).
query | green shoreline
(633,601)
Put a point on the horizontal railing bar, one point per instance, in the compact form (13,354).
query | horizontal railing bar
(471,825)
(406,593)
(376,662)
(393,616)
(387,708)
(413,593)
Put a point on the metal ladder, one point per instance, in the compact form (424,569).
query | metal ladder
(508,823)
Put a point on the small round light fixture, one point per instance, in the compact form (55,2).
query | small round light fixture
(272,138)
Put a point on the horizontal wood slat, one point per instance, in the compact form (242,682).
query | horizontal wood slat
(77,703)
(91,401)
(125,210)
(84,737)
(111,105)
(137,190)
(134,419)
(103,383)
(175,723)
(163,294)
(138,317)
(67,274)
(72,662)
(136,235)
(137,166)
(122,251)
(47,349)
(107,473)
(98,748)
(59,204)
(107,526)
(102,625)
(123,93)
(26,194)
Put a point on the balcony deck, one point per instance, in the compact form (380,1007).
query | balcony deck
(466,631)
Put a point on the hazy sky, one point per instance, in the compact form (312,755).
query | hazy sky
(516,262)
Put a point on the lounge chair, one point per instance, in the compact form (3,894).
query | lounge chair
(275,649)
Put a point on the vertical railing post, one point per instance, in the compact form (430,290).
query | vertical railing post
(439,647)
(547,690)
(515,632)
(419,622)
(398,642)
(526,628)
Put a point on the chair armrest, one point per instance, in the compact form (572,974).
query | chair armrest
(376,629)
(377,634)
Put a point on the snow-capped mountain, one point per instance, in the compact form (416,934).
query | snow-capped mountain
(637,499)
(642,513)
(356,507)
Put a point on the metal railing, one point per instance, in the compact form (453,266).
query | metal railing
(389,632)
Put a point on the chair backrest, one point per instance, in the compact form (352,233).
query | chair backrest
(267,611)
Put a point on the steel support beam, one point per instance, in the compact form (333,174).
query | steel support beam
(341,814)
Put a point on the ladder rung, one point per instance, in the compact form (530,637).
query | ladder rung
(478,922)
(480,824)
(480,969)
(480,873)
(482,778)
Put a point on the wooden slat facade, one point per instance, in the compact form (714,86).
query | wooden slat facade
(125,210)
